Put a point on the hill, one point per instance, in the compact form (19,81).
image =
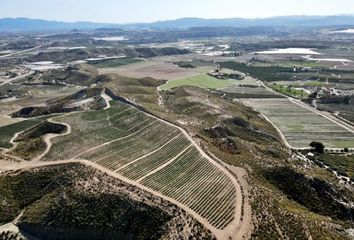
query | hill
(27,24)
(76,202)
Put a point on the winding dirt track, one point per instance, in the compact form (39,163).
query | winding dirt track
(17,78)
(49,137)
(237,229)
(330,117)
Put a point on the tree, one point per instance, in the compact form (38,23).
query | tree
(318,147)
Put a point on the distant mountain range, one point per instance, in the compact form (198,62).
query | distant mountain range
(27,24)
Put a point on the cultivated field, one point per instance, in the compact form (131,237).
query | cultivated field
(249,87)
(301,126)
(344,165)
(200,80)
(150,152)
(150,68)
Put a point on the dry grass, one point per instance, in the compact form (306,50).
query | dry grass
(150,68)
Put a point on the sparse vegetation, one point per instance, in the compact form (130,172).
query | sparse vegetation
(77,202)
(112,63)
(315,194)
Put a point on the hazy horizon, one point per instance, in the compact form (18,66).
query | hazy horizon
(250,18)
(111,11)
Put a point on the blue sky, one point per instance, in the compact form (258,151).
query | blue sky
(126,11)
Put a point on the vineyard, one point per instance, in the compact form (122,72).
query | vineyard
(301,126)
(343,164)
(194,181)
(149,152)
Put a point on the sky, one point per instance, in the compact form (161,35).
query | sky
(132,11)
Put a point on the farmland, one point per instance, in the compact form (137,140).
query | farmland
(344,165)
(289,91)
(153,153)
(157,69)
(199,133)
(201,80)
(301,126)
(248,87)
(194,181)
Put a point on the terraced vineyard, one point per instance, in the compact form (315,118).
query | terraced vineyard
(152,153)
(301,126)
(194,181)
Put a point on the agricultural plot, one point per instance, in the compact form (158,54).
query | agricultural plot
(194,181)
(249,92)
(248,88)
(200,80)
(93,130)
(152,153)
(301,126)
(343,164)
(150,68)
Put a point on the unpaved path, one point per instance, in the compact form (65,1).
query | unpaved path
(326,115)
(280,133)
(235,230)
(232,230)
(323,114)
(48,137)
(20,52)
(107,99)
(146,155)
(164,165)
(17,78)
(30,165)
(113,141)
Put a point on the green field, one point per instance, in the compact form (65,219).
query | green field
(116,62)
(288,90)
(135,145)
(201,80)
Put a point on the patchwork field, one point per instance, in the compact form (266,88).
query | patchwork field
(301,126)
(150,68)
(249,92)
(200,80)
(150,152)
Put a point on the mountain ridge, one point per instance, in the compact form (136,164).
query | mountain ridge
(29,24)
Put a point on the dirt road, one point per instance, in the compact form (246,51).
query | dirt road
(16,78)
(235,230)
